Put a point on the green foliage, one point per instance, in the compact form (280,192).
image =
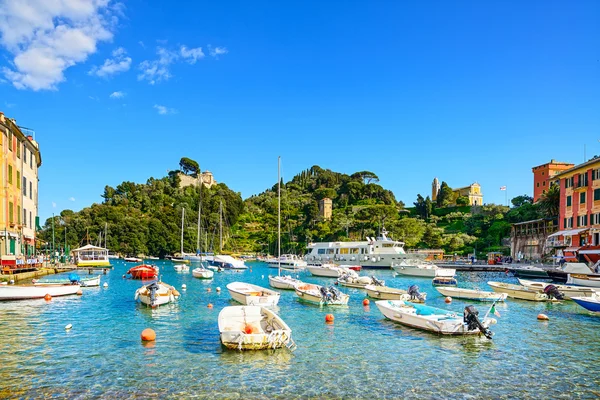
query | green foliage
(462,201)
(188,166)
(445,195)
(549,202)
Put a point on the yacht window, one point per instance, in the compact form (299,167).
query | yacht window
(321,251)
(344,250)
(388,245)
(330,251)
(354,250)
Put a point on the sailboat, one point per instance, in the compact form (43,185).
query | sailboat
(198,256)
(221,260)
(181,260)
(281,281)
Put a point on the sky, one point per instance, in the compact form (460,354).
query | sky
(463,91)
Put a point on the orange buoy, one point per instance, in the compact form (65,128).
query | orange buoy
(79,292)
(448,299)
(47,297)
(250,329)
(208,289)
(148,335)
(543,317)
(210,305)
(329,318)
(366,302)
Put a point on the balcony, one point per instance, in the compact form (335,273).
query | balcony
(558,243)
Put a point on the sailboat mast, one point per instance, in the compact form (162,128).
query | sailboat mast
(105,234)
(279,214)
(182,217)
(199,222)
(220,226)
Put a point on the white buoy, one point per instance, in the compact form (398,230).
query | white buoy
(218,289)
(184,286)
(262,276)
(105,285)
(68,327)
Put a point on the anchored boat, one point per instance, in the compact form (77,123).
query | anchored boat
(156,294)
(72,279)
(25,292)
(202,273)
(143,271)
(390,293)
(321,295)
(252,295)
(522,292)
(568,291)
(589,303)
(471,294)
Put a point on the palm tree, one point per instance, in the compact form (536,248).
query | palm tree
(549,202)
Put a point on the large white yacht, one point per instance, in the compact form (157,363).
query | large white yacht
(378,252)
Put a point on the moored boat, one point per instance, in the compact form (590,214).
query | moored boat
(253,328)
(156,294)
(202,273)
(390,293)
(180,260)
(358,282)
(181,268)
(471,294)
(321,295)
(226,262)
(520,292)
(72,279)
(25,292)
(529,271)
(584,280)
(568,291)
(90,256)
(252,295)
(589,303)
(143,271)
(132,259)
(422,269)
(328,270)
(436,320)
(287,261)
(285,282)
(444,281)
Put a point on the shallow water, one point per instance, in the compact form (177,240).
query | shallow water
(361,355)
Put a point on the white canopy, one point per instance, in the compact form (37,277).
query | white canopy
(569,232)
(89,247)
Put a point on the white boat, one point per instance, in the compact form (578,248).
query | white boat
(202,273)
(421,268)
(471,294)
(378,252)
(152,258)
(132,259)
(328,270)
(589,303)
(520,292)
(85,282)
(253,328)
(252,295)
(434,319)
(567,290)
(156,294)
(584,280)
(390,293)
(181,268)
(287,261)
(358,282)
(227,262)
(24,292)
(285,282)
(90,256)
(321,295)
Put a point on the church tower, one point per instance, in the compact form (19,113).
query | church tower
(435,189)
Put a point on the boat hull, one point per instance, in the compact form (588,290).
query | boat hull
(519,292)
(590,304)
(252,295)
(164,295)
(202,273)
(311,294)
(389,293)
(89,282)
(585,280)
(283,282)
(568,290)
(26,292)
(327,272)
(471,294)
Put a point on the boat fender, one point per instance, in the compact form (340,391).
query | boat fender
(373,259)
(378,258)
(137,294)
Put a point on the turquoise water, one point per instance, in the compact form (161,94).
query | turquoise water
(361,355)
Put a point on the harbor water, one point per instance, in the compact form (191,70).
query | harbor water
(360,355)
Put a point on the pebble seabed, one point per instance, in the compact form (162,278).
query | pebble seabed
(360,355)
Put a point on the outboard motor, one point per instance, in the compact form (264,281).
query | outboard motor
(552,291)
(413,292)
(152,289)
(335,293)
(324,293)
(471,318)
(376,281)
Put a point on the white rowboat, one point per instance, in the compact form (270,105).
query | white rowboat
(471,294)
(24,292)
(252,295)
(202,273)
(520,292)
(390,293)
(285,282)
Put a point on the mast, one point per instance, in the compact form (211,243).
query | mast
(182,216)
(279,215)
(221,226)
(105,234)
(199,222)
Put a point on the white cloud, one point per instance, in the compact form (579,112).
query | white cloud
(191,55)
(119,63)
(162,110)
(72,198)
(217,51)
(117,95)
(47,37)
(53,205)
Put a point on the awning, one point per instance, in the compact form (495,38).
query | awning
(590,251)
(569,232)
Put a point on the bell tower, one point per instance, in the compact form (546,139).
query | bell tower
(435,189)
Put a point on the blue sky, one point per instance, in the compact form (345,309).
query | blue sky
(462,91)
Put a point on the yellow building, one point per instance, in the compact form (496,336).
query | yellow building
(19,162)
(472,192)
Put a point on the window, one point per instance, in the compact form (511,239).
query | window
(582,198)
(30,220)
(24,186)
(538,184)
(596,194)
(582,220)
(583,179)
(10,174)
(25,217)
(595,174)
(568,182)
(10,140)
(568,201)
(18,179)
(10,212)
(24,154)
(544,183)
(18,214)
(542,173)
(18,149)
(31,161)
(595,219)
(30,190)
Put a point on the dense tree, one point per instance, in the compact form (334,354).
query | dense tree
(549,202)
(189,166)
(445,195)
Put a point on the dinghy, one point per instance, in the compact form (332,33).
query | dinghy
(329,270)
(358,282)
(471,294)
(435,319)
(568,291)
(521,292)
(143,271)
(422,269)
(390,293)
(202,273)
(24,292)
(285,282)
(156,294)
(181,268)
(321,295)
(253,328)
(72,279)
(252,295)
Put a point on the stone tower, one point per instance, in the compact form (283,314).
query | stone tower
(435,189)
(325,208)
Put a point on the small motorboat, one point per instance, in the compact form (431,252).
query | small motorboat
(589,303)
(390,293)
(421,268)
(444,281)
(25,292)
(253,328)
(471,294)
(252,295)
(132,259)
(72,279)
(156,294)
(524,293)
(329,270)
(436,320)
(143,271)
(321,295)
(181,268)
(568,291)
(202,273)
(180,260)
(285,282)
(359,282)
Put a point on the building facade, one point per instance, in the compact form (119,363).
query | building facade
(326,208)
(205,177)
(579,213)
(472,192)
(20,160)
(543,176)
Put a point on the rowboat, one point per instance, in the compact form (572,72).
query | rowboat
(73,278)
(202,273)
(156,294)
(24,292)
(358,282)
(568,291)
(285,282)
(520,292)
(584,280)
(321,295)
(143,271)
(434,319)
(253,328)
(252,295)
(328,270)
(589,303)
(471,294)
(390,293)
(181,268)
